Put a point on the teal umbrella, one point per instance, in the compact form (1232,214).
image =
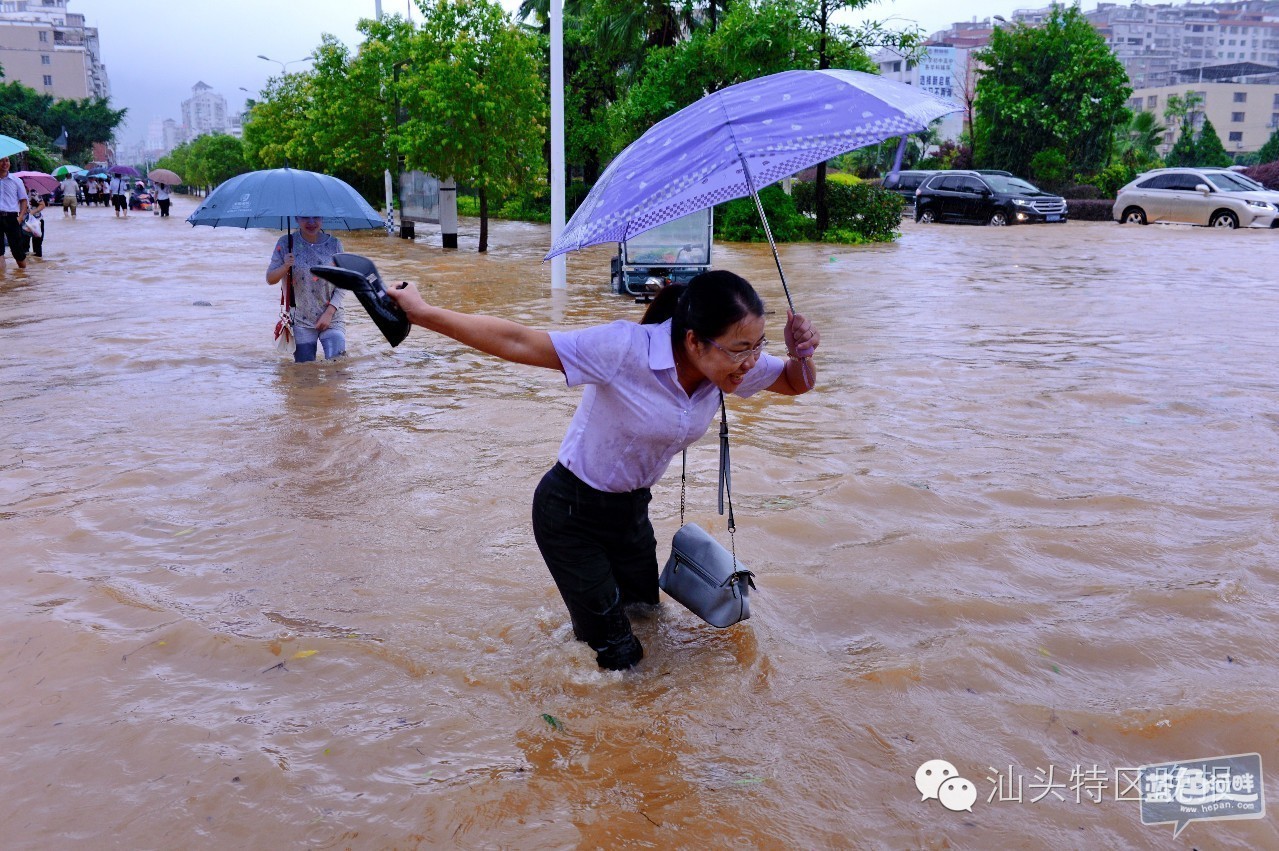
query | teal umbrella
(10,146)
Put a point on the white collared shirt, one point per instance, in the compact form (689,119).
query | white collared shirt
(12,193)
(634,416)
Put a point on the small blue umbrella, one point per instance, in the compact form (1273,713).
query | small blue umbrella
(734,142)
(274,198)
(10,146)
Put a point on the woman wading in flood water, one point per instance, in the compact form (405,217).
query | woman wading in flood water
(652,389)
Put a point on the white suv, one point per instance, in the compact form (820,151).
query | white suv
(1214,197)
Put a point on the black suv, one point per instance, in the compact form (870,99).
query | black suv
(904,183)
(993,199)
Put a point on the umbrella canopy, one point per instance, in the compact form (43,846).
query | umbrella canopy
(736,141)
(125,170)
(38,180)
(10,146)
(64,171)
(274,198)
(163,175)
(99,175)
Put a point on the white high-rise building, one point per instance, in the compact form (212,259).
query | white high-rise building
(204,112)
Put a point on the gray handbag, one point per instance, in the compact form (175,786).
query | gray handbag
(706,578)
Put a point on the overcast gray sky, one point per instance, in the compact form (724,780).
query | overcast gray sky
(156,50)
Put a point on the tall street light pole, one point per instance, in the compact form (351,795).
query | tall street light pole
(558,267)
(284,66)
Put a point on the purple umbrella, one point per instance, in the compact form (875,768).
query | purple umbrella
(43,183)
(736,141)
(125,170)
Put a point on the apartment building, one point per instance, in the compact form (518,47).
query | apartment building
(47,48)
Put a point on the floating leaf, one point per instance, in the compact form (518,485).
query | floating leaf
(555,723)
(1056,670)
(302,654)
(184,533)
(1044,652)
(749,780)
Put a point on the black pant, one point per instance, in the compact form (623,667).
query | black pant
(164,207)
(602,553)
(14,235)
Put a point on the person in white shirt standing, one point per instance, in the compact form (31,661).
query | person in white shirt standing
(69,200)
(120,195)
(13,209)
(162,197)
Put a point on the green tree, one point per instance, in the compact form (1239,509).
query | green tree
(351,110)
(1208,149)
(1184,151)
(844,46)
(1137,142)
(753,38)
(178,160)
(218,157)
(87,121)
(474,100)
(39,155)
(1053,86)
(1050,169)
(279,132)
(1270,151)
(1183,110)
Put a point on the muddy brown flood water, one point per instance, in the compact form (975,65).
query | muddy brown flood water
(1026,524)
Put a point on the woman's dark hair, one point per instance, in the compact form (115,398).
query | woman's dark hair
(706,305)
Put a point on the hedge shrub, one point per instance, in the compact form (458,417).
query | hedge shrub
(859,212)
(1090,209)
(738,220)
(1267,175)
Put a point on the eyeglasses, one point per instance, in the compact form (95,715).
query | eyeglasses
(742,356)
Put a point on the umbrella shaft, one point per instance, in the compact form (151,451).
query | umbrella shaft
(768,232)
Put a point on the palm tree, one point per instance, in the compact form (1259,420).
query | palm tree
(1139,139)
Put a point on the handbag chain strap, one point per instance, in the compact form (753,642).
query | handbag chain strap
(725,479)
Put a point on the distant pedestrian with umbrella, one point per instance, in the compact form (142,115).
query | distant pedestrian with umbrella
(13,209)
(281,198)
(164,180)
(162,199)
(318,317)
(120,187)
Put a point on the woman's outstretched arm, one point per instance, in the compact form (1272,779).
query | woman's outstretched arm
(489,334)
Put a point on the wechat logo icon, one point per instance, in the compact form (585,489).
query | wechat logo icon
(938,779)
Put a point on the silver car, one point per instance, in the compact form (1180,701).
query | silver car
(1213,197)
